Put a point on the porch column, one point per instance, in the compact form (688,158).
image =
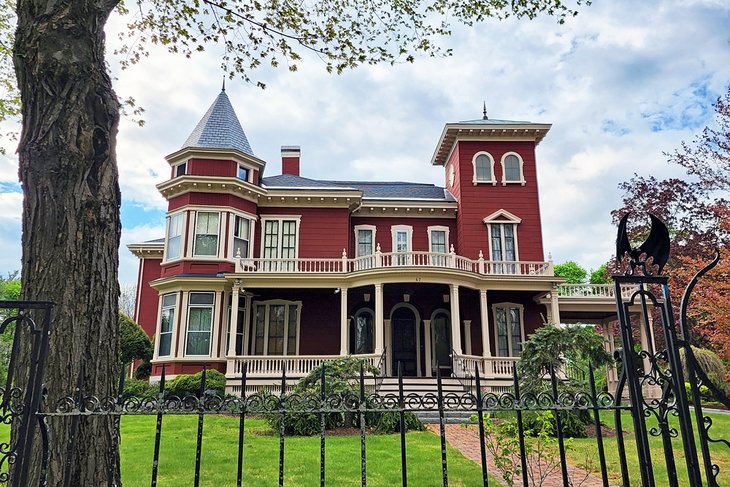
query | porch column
(455,320)
(247,323)
(467,336)
(388,351)
(344,328)
(486,342)
(648,344)
(234,319)
(427,345)
(379,319)
(555,306)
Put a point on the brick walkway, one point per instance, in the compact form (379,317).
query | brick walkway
(466,440)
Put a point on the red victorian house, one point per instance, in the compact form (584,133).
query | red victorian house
(274,271)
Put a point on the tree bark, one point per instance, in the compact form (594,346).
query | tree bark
(71,224)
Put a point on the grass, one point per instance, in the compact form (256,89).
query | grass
(261,456)
(587,448)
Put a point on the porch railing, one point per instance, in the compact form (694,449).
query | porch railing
(489,367)
(593,291)
(418,259)
(295,365)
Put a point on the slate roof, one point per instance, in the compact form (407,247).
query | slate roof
(370,189)
(219,129)
(494,121)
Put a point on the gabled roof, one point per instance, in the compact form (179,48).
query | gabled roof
(219,129)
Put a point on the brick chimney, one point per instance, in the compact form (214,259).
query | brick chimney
(290,159)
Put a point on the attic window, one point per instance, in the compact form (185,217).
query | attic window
(483,166)
(242,173)
(181,169)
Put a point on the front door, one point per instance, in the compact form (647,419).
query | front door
(403,327)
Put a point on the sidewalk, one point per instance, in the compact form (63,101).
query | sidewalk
(466,440)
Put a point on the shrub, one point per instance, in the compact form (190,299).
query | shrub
(143,371)
(389,422)
(138,388)
(572,425)
(185,384)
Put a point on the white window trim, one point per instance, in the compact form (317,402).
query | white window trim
(194,219)
(176,318)
(503,217)
(280,218)
(183,232)
(438,228)
(474,179)
(373,229)
(522,171)
(509,334)
(251,232)
(394,229)
(213,322)
(451,174)
(267,304)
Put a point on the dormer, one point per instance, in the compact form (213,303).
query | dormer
(215,158)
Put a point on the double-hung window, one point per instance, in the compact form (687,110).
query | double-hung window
(174,236)
(241,236)
(438,238)
(200,323)
(280,244)
(167,323)
(206,234)
(502,238)
(276,328)
(508,319)
(365,246)
(402,243)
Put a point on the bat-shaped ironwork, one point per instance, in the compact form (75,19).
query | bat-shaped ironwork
(655,247)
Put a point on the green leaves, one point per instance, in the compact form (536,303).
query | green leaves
(343,34)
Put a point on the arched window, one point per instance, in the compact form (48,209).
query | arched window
(512,169)
(361,332)
(483,168)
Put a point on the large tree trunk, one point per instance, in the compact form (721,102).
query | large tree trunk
(71,222)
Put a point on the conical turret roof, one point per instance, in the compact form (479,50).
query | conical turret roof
(219,129)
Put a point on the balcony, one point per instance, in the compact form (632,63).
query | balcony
(393,260)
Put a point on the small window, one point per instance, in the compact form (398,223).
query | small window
(241,232)
(512,169)
(438,241)
(174,236)
(200,324)
(166,325)
(483,166)
(243,173)
(364,242)
(206,234)
(181,169)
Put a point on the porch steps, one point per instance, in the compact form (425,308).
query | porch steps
(421,385)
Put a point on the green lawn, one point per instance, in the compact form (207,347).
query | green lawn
(720,453)
(261,455)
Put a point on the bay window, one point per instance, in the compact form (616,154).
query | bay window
(173,249)
(167,323)
(200,323)
(241,236)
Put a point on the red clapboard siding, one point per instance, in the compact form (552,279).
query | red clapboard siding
(383,235)
(322,231)
(479,201)
(147,307)
(212,199)
(212,167)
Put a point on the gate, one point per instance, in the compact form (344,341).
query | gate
(651,387)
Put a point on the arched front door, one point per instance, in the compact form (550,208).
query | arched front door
(441,341)
(403,330)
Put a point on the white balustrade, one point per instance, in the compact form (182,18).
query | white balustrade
(593,291)
(273,365)
(489,367)
(389,260)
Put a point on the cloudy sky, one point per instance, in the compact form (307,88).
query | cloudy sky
(621,83)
